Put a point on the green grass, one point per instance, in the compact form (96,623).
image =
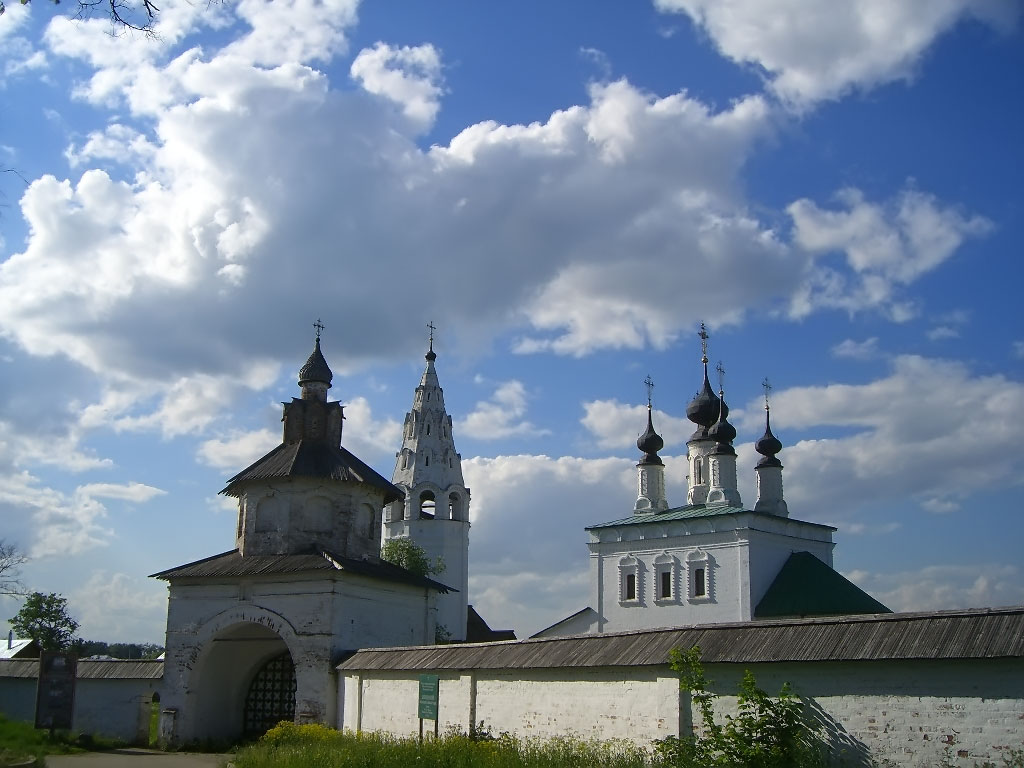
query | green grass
(315,746)
(19,740)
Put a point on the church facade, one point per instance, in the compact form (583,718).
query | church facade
(253,634)
(710,560)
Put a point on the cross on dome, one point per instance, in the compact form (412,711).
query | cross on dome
(319,328)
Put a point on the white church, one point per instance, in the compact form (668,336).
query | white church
(302,620)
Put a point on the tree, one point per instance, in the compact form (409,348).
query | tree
(11,561)
(45,619)
(405,552)
(126,15)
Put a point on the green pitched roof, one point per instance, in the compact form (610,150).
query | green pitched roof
(805,586)
(689,512)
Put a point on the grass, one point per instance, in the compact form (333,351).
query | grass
(19,740)
(315,746)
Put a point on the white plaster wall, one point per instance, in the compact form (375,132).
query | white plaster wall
(448,539)
(117,708)
(916,714)
(746,552)
(911,713)
(602,704)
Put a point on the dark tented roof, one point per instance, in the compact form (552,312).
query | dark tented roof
(478,631)
(970,634)
(692,511)
(805,586)
(90,670)
(232,564)
(312,458)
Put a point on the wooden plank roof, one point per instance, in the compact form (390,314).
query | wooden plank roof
(90,670)
(965,634)
(229,565)
(312,458)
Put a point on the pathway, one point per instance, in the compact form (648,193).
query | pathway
(136,758)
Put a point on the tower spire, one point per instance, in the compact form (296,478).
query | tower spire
(703,410)
(650,495)
(769,468)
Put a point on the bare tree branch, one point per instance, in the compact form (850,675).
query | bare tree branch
(11,560)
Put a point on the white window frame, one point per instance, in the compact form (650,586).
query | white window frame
(666,563)
(696,560)
(629,566)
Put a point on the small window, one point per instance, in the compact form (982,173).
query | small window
(698,576)
(450,464)
(426,461)
(629,580)
(428,429)
(665,591)
(664,578)
(698,476)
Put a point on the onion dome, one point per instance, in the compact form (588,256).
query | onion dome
(316,368)
(722,432)
(705,408)
(650,443)
(431,356)
(768,445)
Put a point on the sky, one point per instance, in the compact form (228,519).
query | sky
(566,190)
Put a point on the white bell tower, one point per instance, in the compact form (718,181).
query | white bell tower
(435,510)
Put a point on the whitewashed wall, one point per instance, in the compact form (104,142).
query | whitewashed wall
(117,708)
(913,713)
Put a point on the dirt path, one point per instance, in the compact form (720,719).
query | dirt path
(136,758)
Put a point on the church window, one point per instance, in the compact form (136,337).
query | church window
(450,464)
(665,574)
(427,505)
(699,584)
(428,429)
(426,460)
(698,477)
(629,580)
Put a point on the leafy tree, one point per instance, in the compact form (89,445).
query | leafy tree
(45,619)
(764,732)
(405,552)
(11,560)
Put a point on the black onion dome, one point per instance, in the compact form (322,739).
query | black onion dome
(316,368)
(650,443)
(768,445)
(723,432)
(704,409)
(431,356)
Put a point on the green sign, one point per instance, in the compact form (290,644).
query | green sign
(429,685)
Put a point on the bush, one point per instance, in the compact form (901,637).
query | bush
(764,732)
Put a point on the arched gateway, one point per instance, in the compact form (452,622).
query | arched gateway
(253,633)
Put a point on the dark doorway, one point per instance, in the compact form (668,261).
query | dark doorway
(271,696)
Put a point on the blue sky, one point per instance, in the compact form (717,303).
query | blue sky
(566,190)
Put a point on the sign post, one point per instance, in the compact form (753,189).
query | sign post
(429,686)
(55,691)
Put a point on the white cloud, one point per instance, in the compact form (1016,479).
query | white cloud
(941,332)
(408,76)
(810,50)
(857,350)
(617,426)
(903,426)
(885,247)
(366,437)
(945,586)
(118,607)
(501,416)
(238,449)
(138,492)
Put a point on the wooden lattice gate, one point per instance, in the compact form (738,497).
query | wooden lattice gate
(271,696)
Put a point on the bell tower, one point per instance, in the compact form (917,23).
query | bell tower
(435,511)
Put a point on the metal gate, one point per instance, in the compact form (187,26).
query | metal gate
(271,696)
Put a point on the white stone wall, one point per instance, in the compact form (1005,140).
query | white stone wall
(913,713)
(745,553)
(116,708)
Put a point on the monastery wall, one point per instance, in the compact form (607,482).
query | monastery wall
(912,713)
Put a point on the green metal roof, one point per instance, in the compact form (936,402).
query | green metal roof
(805,586)
(690,512)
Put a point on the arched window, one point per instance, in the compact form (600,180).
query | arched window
(454,507)
(698,577)
(427,505)
(629,580)
(428,429)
